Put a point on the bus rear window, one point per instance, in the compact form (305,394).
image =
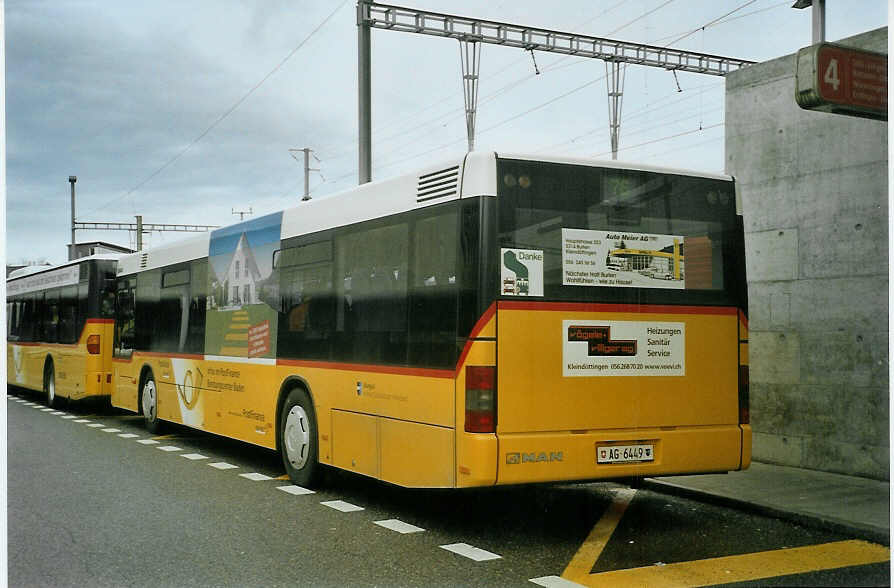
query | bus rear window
(570,232)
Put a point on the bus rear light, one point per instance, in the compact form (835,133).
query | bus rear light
(481,399)
(744,396)
(93,344)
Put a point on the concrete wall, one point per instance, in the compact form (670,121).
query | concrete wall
(814,190)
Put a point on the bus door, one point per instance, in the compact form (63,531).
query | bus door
(124,388)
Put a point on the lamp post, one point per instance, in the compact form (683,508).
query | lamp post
(71,250)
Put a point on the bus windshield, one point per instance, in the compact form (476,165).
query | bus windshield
(591,234)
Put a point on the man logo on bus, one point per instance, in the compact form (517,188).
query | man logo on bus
(600,343)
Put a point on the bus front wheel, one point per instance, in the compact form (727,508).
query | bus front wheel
(149,402)
(298,439)
(49,384)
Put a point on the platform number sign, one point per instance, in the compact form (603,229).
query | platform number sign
(831,76)
(842,80)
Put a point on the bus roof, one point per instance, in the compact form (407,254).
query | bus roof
(36,269)
(472,174)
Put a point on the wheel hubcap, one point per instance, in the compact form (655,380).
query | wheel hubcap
(297,437)
(149,400)
(51,387)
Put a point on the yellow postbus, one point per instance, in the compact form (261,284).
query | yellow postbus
(469,325)
(59,328)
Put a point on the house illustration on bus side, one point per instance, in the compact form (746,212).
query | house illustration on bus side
(242,275)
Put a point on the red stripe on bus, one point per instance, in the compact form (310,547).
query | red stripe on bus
(629,308)
(170,355)
(378,369)
(100,321)
(743,318)
(479,326)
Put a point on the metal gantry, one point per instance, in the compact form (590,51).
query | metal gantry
(139,228)
(473,30)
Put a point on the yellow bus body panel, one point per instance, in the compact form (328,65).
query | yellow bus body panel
(79,374)
(550,424)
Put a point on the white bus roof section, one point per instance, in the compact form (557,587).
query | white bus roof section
(194,247)
(472,175)
(36,269)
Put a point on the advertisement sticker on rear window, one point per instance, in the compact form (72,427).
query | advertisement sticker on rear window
(521,272)
(622,260)
(623,348)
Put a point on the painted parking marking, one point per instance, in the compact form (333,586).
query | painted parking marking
(148,442)
(342,506)
(70,416)
(583,561)
(255,477)
(399,526)
(46,409)
(222,465)
(95,425)
(471,552)
(295,490)
(718,570)
(57,412)
(554,582)
(128,435)
(170,448)
(82,421)
(111,430)
(747,567)
(194,456)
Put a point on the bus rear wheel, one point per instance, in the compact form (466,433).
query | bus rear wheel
(298,439)
(149,404)
(49,384)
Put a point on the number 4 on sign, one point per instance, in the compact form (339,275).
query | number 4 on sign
(831,75)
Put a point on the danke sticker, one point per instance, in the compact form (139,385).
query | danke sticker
(521,272)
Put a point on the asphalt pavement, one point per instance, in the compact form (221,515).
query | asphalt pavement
(835,502)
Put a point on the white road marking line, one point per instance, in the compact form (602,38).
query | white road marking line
(295,490)
(57,412)
(111,430)
(148,441)
(128,435)
(45,409)
(222,465)
(70,416)
(194,456)
(399,526)
(170,448)
(255,477)
(95,425)
(473,553)
(342,506)
(21,401)
(82,421)
(554,582)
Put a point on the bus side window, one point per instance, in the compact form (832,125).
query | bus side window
(433,298)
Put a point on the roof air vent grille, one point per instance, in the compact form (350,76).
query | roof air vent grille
(438,184)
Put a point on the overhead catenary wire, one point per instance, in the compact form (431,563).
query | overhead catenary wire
(423,127)
(227,112)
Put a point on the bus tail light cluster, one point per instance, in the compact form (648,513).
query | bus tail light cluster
(481,399)
(744,400)
(93,344)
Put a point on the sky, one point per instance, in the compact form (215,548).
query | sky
(185,112)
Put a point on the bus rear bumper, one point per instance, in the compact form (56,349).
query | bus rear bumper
(560,456)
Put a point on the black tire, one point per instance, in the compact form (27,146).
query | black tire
(149,403)
(49,384)
(298,442)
